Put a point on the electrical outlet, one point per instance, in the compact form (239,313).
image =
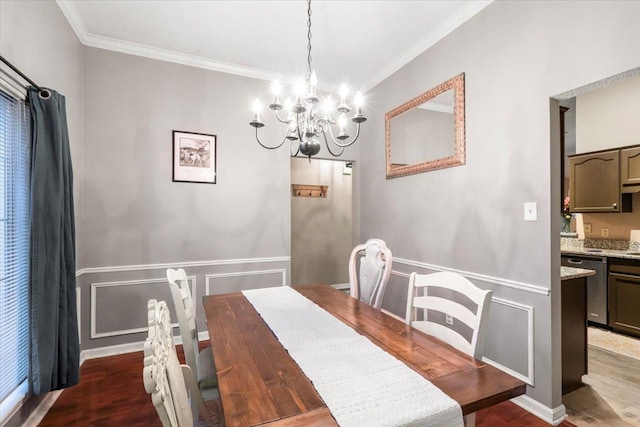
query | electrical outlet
(605,232)
(587,228)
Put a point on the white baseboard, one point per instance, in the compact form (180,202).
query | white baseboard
(38,414)
(553,416)
(114,350)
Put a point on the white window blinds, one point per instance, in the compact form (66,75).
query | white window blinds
(14,243)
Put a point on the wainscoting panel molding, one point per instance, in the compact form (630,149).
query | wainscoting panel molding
(209,278)
(476,276)
(95,295)
(507,320)
(79,312)
(112,300)
(185,265)
(512,323)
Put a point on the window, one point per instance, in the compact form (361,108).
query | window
(14,250)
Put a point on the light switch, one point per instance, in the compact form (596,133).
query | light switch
(530,211)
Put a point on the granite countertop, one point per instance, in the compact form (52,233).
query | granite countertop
(629,254)
(567,273)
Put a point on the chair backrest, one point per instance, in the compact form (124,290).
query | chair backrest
(375,269)
(162,373)
(181,295)
(453,310)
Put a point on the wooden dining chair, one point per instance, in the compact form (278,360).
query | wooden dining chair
(368,283)
(169,383)
(200,361)
(452,309)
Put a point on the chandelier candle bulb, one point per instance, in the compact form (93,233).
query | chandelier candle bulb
(276,89)
(256,123)
(344,91)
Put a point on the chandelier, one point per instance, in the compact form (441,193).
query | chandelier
(307,118)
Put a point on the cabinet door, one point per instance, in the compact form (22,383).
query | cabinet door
(630,166)
(624,300)
(595,182)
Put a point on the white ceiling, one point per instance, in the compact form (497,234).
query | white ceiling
(358,42)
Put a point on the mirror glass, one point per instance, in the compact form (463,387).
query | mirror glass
(427,132)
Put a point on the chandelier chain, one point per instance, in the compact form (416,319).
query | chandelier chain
(309,39)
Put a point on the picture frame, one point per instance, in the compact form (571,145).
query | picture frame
(194,157)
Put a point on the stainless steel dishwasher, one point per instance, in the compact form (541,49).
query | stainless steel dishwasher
(597,307)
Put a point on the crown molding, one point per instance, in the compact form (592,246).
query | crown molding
(454,21)
(73,17)
(115,45)
(441,31)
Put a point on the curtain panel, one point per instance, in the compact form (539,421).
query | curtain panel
(55,348)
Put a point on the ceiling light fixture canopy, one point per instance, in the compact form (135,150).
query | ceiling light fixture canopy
(308,118)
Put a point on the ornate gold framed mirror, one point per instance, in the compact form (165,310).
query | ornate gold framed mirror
(427,132)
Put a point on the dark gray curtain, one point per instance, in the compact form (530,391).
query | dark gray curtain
(55,350)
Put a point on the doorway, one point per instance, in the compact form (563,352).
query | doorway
(321,221)
(590,116)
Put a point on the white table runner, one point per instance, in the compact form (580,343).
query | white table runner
(361,384)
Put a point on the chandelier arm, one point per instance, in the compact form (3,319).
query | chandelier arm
(297,150)
(266,146)
(339,144)
(277,114)
(326,142)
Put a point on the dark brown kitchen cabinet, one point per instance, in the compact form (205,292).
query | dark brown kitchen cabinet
(595,182)
(630,169)
(624,296)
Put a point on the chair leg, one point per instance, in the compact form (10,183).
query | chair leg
(197,402)
(470,420)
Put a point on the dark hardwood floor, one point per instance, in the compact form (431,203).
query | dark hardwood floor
(111,393)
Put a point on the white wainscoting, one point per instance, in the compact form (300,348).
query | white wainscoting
(526,310)
(519,309)
(95,294)
(131,271)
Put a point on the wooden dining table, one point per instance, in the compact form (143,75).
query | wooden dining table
(260,384)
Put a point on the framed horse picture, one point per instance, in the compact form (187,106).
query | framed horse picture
(194,157)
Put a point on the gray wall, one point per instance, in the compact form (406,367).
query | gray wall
(232,235)
(515,56)
(36,37)
(321,228)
